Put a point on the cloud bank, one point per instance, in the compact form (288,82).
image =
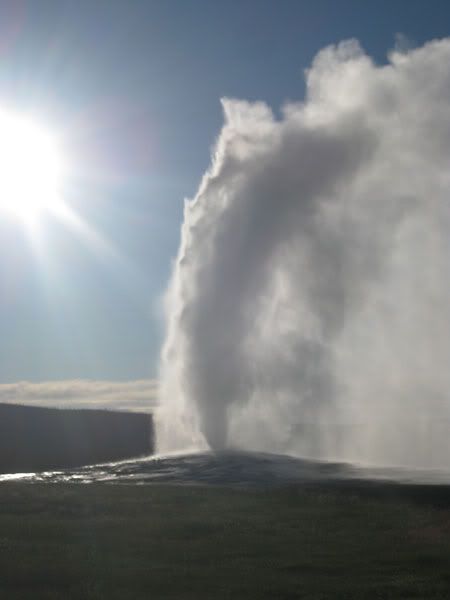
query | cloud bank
(138,395)
(309,309)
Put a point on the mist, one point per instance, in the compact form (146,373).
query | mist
(309,307)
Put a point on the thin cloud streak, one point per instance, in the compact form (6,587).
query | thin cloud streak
(138,395)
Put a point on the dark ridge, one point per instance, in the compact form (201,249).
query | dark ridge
(37,439)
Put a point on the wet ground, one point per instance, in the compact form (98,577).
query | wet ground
(246,469)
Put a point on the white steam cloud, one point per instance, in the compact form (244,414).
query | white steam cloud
(309,307)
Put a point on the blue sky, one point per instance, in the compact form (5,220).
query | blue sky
(133,89)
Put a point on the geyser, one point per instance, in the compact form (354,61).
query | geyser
(309,307)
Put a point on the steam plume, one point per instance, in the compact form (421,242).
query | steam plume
(309,306)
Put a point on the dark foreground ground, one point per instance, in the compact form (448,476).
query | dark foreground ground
(123,541)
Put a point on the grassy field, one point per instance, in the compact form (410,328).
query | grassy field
(118,542)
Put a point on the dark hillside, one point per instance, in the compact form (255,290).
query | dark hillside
(34,438)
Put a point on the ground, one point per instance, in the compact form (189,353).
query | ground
(121,541)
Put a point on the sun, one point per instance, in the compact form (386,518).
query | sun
(31,168)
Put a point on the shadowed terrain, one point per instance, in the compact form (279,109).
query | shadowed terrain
(121,541)
(36,439)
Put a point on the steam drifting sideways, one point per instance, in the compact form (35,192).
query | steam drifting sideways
(309,307)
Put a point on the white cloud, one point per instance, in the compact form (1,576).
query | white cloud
(137,395)
(312,282)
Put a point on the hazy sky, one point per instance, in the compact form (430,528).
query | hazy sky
(132,89)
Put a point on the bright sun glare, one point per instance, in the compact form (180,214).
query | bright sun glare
(30,168)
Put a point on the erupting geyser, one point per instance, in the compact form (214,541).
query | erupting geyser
(309,307)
